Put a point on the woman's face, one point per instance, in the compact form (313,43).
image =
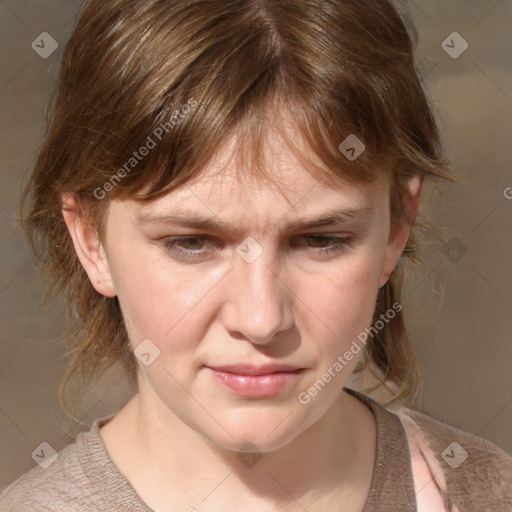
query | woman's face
(238,299)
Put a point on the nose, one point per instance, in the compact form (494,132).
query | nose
(260,303)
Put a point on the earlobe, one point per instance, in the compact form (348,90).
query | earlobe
(88,247)
(414,186)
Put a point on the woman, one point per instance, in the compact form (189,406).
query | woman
(225,192)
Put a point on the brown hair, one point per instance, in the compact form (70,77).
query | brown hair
(187,75)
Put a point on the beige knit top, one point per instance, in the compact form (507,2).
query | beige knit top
(85,478)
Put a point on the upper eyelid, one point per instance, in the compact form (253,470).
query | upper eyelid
(334,232)
(171,239)
(322,234)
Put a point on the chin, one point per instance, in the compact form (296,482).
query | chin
(253,442)
(258,431)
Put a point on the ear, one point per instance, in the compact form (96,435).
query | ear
(398,237)
(88,247)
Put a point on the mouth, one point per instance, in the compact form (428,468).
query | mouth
(255,382)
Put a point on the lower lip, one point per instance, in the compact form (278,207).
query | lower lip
(255,386)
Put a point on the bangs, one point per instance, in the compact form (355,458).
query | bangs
(254,137)
(180,91)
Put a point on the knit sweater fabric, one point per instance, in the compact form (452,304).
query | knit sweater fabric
(85,478)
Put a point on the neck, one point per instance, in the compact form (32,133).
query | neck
(171,461)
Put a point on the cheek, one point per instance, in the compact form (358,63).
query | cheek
(343,300)
(159,301)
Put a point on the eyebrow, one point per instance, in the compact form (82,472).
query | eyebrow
(197,221)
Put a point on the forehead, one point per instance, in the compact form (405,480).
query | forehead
(284,181)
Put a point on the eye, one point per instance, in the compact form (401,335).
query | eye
(325,244)
(199,247)
(190,247)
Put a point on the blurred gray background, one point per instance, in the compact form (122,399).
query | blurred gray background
(462,335)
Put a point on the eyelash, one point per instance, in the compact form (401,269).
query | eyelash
(339,244)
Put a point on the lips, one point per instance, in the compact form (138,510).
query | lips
(246,369)
(255,381)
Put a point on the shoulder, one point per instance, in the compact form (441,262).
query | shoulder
(55,488)
(478,474)
(82,477)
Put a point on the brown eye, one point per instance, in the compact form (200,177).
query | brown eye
(189,247)
(324,244)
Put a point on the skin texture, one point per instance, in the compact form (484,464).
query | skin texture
(294,304)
